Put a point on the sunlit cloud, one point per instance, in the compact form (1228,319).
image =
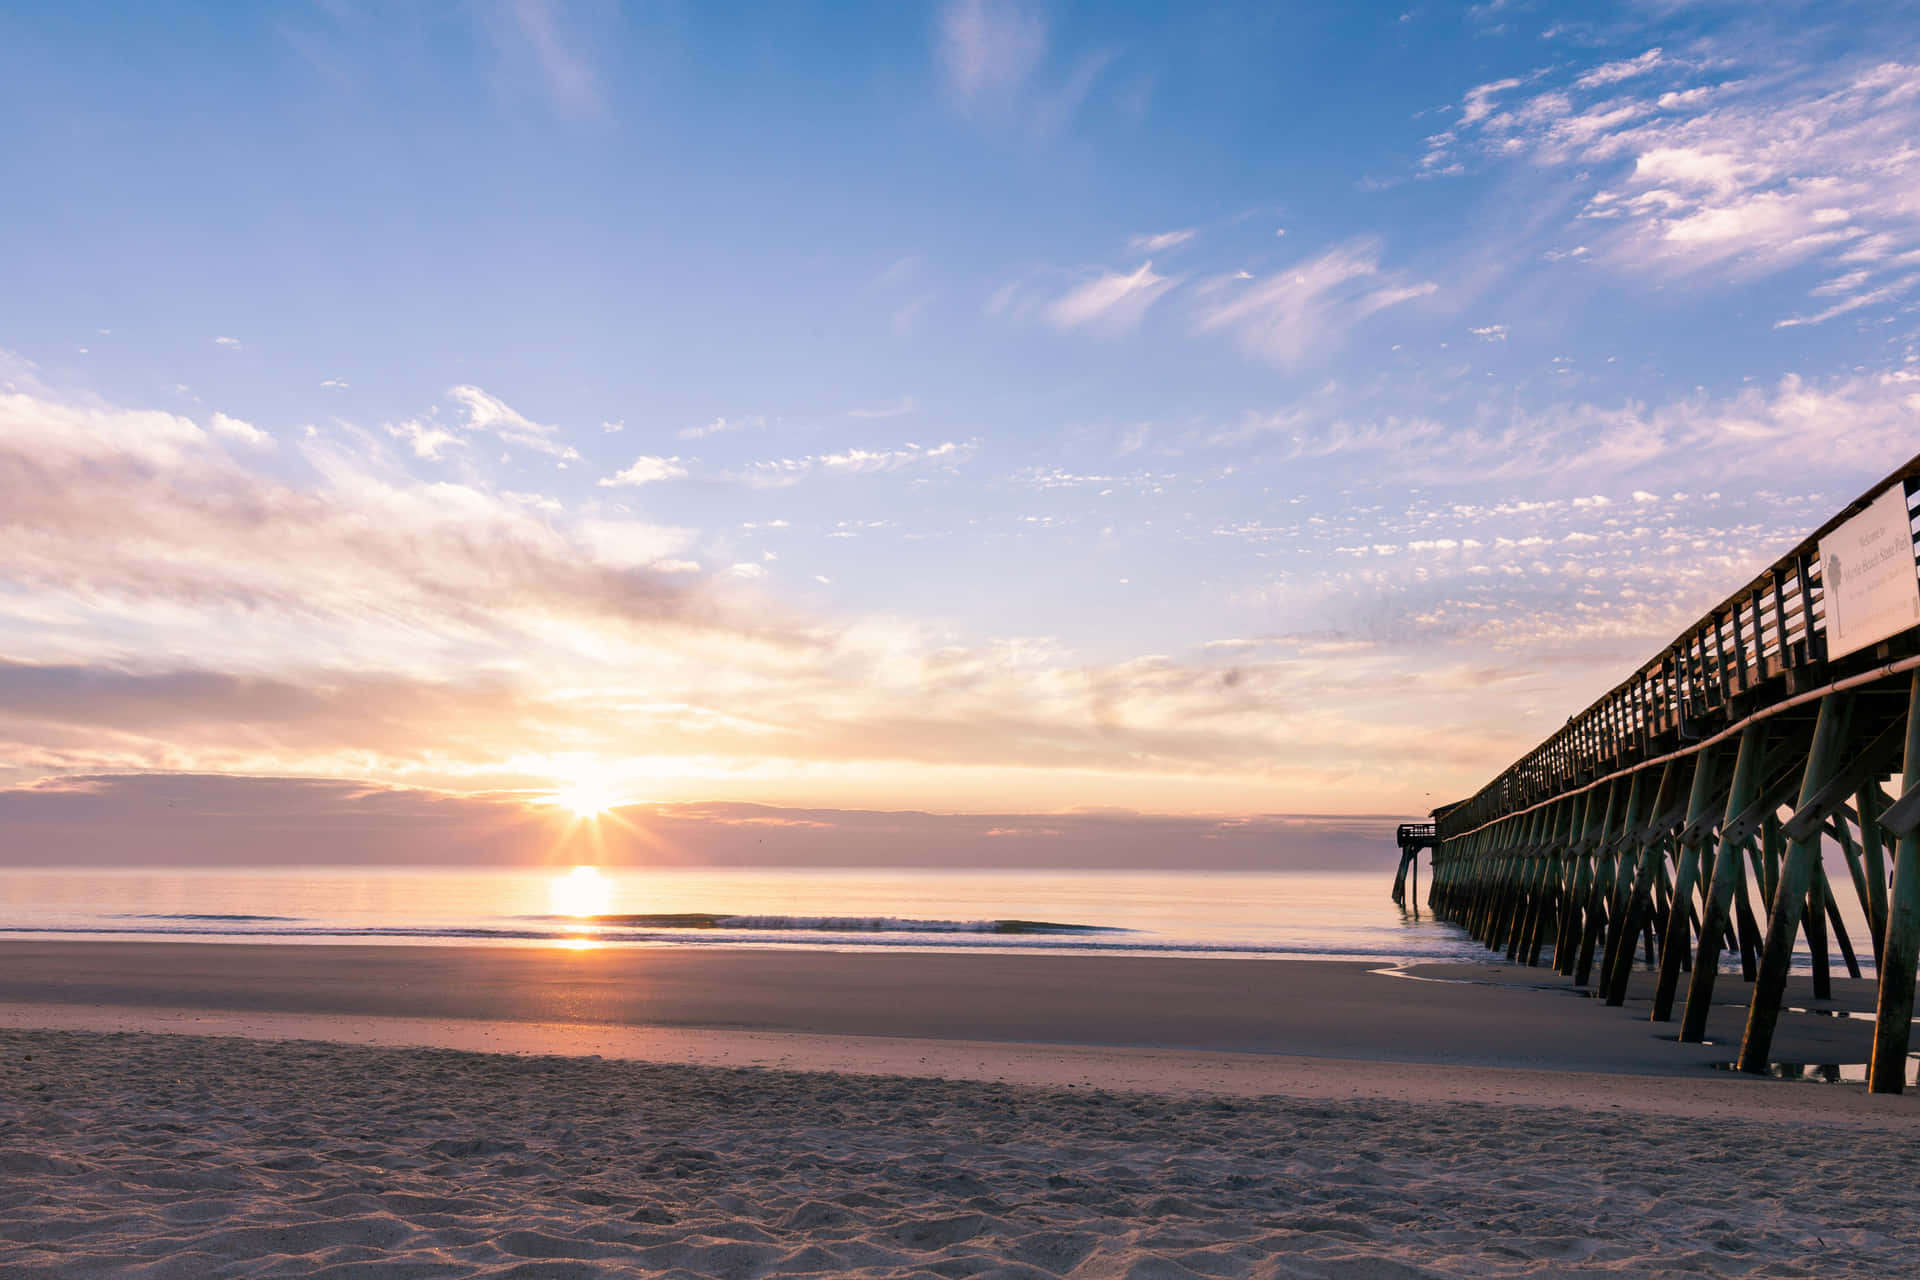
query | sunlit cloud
(425,439)
(398,629)
(329,614)
(1694,165)
(645,469)
(235,429)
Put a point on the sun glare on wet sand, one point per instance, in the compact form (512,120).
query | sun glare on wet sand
(582,892)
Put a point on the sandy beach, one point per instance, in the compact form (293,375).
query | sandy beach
(180,1155)
(214,1110)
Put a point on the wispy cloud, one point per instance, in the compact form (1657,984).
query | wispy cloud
(896,409)
(231,344)
(1866,420)
(723,426)
(1111,302)
(779,473)
(988,48)
(1281,317)
(1161,242)
(1614,72)
(645,470)
(1888,292)
(537,42)
(490,415)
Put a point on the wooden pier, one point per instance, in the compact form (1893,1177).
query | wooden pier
(1693,811)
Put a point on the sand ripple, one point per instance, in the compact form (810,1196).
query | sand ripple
(176,1156)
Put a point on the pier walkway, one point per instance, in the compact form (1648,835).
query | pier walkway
(1695,810)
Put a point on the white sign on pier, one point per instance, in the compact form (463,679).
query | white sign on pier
(1867,575)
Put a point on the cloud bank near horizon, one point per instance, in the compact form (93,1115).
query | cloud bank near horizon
(188,820)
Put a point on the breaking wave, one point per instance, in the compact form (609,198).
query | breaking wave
(839,924)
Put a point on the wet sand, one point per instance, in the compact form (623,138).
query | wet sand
(1487,1015)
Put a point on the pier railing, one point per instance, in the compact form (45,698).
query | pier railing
(1687,812)
(1768,639)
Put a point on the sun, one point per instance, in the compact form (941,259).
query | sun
(587,798)
(582,892)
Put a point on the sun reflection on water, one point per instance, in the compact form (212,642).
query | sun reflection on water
(582,892)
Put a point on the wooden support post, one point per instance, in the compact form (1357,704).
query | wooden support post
(1579,878)
(1637,874)
(1770,842)
(1503,876)
(1727,868)
(1893,1009)
(1662,900)
(1840,936)
(1856,870)
(1532,884)
(1400,880)
(1551,910)
(1815,926)
(1497,870)
(1476,885)
(1513,885)
(1749,926)
(1790,895)
(1701,804)
(1608,862)
(1867,803)
(1625,929)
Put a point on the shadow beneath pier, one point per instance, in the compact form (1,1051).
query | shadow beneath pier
(1827,1040)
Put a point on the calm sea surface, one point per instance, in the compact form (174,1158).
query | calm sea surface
(1294,914)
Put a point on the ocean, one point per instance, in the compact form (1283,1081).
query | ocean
(1323,915)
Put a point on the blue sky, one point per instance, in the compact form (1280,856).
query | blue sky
(973,406)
